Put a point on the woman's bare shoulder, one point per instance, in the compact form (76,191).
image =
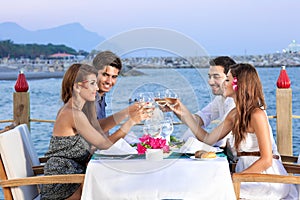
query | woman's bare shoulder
(232,114)
(67,112)
(258,113)
(65,122)
(258,118)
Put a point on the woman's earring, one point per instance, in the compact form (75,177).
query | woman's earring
(234,84)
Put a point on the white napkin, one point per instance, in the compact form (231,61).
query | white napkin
(121,147)
(192,145)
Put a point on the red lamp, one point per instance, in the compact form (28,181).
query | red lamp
(283,80)
(21,83)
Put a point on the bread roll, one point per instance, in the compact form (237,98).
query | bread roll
(205,154)
(199,153)
(209,155)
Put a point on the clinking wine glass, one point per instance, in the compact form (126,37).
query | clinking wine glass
(160,98)
(146,99)
(171,97)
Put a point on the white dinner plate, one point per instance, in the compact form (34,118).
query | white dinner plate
(202,159)
(187,152)
(219,150)
(104,153)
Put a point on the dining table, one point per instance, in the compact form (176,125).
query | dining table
(174,177)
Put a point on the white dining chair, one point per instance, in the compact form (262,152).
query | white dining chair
(17,177)
(17,163)
(291,165)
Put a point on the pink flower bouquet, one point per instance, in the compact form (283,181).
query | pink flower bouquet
(148,142)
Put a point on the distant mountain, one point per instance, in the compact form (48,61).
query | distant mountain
(73,35)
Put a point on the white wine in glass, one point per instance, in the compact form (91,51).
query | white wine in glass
(159,97)
(161,102)
(171,97)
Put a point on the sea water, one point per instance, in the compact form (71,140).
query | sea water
(189,83)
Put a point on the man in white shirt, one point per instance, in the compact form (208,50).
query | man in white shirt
(220,106)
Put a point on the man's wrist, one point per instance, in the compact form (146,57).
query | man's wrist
(124,133)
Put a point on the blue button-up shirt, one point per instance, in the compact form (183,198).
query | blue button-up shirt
(100,106)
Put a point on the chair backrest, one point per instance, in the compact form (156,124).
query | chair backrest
(17,162)
(26,136)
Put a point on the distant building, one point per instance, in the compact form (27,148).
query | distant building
(64,56)
(292,48)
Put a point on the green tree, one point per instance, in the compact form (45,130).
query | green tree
(8,48)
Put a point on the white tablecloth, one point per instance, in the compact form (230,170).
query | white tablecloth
(167,179)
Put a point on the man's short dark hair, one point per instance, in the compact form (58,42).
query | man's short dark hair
(107,58)
(224,61)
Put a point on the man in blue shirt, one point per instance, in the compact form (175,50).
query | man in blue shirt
(109,66)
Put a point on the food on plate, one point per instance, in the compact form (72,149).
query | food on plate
(205,154)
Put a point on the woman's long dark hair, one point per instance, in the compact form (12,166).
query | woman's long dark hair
(249,96)
(78,73)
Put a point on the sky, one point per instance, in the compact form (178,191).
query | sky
(221,27)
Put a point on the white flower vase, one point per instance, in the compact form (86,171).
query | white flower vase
(154,154)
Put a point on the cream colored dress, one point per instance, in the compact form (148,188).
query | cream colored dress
(263,191)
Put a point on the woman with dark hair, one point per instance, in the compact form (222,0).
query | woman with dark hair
(76,131)
(250,130)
